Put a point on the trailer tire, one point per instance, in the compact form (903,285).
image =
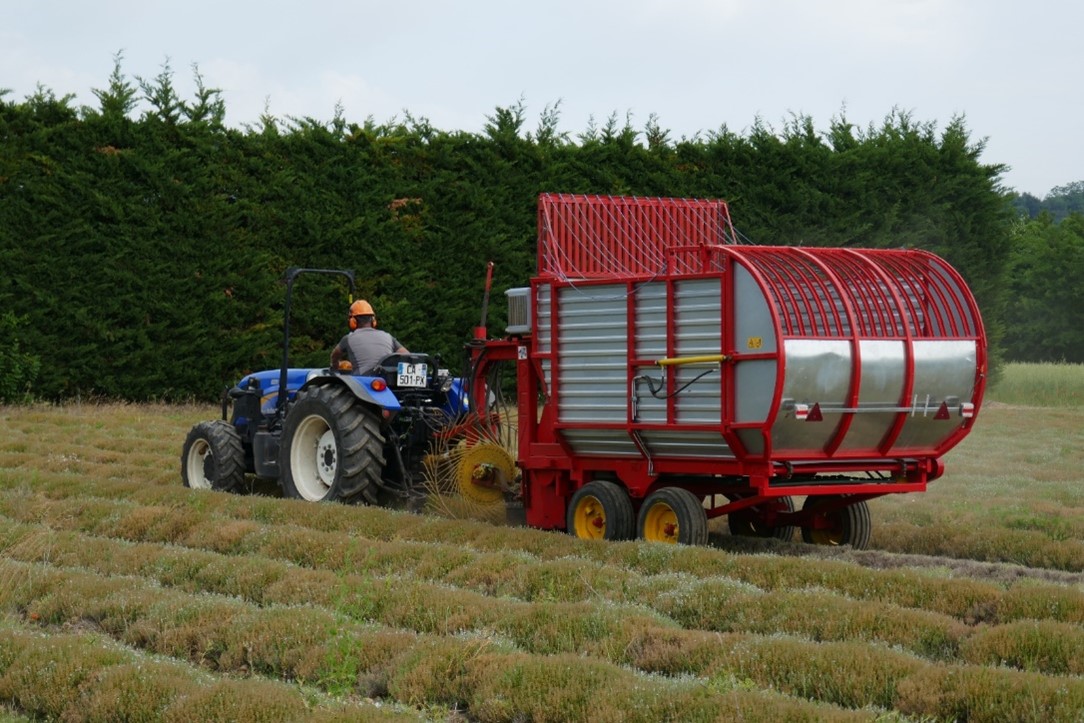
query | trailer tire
(747,523)
(332,448)
(213,457)
(850,525)
(601,510)
(673,515)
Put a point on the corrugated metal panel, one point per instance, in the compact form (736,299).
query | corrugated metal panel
(543,323)
(601,442)
(650,340)
(592,353)
(697,321)
(650,331)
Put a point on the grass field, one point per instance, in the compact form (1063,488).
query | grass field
(124,596)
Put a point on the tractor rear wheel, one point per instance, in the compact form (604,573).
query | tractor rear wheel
(850,525)
(749,521)
(332,448)
(213,457)
(600,510)
(673,515)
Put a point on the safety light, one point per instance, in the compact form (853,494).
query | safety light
(967,410)
(378,385)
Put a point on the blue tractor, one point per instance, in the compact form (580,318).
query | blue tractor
(331,435)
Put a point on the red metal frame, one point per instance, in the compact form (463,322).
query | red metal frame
(837,294)
(621,237)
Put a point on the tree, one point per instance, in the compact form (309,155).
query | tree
(209,107)
(119,98)
(162,97)
(1064,200)
(18,369)
(1026,205)
(1059,203)
(1045,321)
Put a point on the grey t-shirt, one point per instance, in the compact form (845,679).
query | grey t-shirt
(365,347)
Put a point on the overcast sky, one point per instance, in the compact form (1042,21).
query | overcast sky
(1013,69)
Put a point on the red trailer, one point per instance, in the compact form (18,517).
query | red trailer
(667,375)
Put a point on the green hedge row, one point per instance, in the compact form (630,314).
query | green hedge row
(143,257)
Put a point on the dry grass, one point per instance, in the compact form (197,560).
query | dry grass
(122,594)
(81,676)
(1011,495)
(1044,385)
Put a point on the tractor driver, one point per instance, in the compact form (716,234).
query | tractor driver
(365,345)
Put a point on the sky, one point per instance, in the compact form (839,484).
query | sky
(1012,70)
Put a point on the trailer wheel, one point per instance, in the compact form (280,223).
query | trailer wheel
(850,525)
(749,522)
(673,515)
(600,510)
(213,457)
(332,448)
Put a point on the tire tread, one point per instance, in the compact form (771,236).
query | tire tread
(229,453)
(620,518)
(361,459)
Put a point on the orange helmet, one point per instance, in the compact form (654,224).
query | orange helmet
(361,307)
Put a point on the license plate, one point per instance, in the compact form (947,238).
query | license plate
(413,375)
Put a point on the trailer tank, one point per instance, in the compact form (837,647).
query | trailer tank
(667,374)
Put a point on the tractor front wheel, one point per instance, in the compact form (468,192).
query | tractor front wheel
(600,510)
(835,525)
(332,448)
(673,515)
(213,457)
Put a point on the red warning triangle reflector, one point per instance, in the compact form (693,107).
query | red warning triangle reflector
(815,414)
(942,412)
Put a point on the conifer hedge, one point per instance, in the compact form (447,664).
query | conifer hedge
(143,250)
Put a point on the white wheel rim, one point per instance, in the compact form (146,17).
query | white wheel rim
(197,460)
(327,460)
(314,458)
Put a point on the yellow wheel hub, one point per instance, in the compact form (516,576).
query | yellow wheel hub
(661,524)
(485,472)
(589,518)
